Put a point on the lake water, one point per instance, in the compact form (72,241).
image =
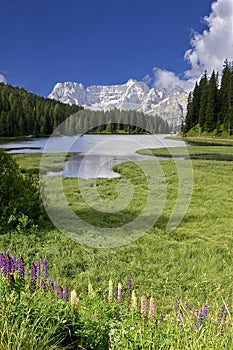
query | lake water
(93,156)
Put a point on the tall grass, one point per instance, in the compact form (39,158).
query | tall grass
(192,264)
(38,313)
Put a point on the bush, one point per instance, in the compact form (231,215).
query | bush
(20,204)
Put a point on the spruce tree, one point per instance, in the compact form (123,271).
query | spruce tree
(226,93)
(212,103)
(203,88)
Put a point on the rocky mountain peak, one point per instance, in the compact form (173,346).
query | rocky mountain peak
(133,95)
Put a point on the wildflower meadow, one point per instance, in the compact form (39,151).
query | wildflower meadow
(38,312)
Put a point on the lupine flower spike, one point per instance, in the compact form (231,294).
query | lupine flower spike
(42,284)
(119,292)
(51,284)
(44,268)
(73,300)
(66,294)
(21,268)
(33,275)
(110,290)
(129,285)
(134,300)
(143,306)
(152,308)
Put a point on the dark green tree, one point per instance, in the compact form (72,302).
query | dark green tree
(212,103)
(204,85)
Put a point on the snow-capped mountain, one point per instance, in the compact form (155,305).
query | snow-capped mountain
(134,95)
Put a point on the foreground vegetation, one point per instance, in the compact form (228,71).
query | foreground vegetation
(192,265)
(37,312)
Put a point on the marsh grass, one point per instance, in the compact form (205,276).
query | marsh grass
(32,161)
(194,261)
(194,152)
(193,264)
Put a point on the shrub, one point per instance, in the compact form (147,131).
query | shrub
(20,203)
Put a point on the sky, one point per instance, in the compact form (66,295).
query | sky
(102,42)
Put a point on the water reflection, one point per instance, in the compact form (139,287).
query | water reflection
(93,156)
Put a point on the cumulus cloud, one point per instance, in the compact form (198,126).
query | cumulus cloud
(169,80)
(3,79)
(208,49)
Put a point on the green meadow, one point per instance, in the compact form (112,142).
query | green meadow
(193,260)
(192,264)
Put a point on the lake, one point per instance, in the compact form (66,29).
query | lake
(92,156)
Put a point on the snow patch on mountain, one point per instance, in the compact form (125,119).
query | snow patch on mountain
(133,95)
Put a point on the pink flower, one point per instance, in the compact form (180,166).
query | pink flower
(152,308)
(143,306)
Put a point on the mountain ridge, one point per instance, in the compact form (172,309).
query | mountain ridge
(133,95)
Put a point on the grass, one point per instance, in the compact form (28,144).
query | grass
(191,260)
(37,312)
(194,262)
(52,161)
(207,152)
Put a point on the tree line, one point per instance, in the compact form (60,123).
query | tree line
(210,104)
(24,113)
(114,121)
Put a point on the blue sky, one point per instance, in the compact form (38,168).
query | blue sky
(101,42)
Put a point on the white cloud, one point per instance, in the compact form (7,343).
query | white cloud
(169,80)
(208,49)
(3,79)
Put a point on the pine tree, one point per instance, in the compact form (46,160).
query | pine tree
(225,91)
(203,86)
(212,103)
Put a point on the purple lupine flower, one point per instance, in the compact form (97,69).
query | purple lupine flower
(1,260)
(129,285)
(60,292)
(33,275)
(200,320)
(7,268)
(44,268)
(219,320)
(205,310)
(66,294)
(51,284)
(222,315)
(116,292)
(14,263)
(180,320)
(42,284)
(177,302)
(21,268)
(37,268)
